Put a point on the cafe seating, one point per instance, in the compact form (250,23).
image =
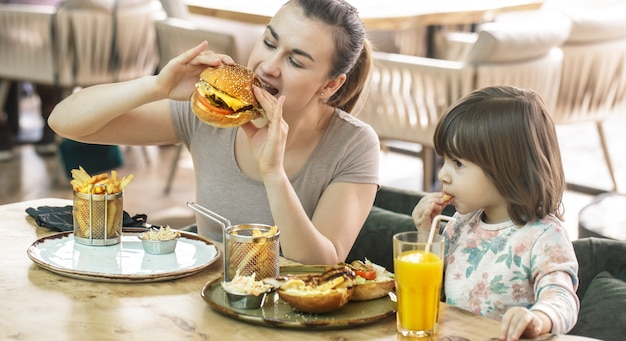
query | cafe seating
(408,94)
(240,37)
(602,288)
(602,268)
(77,44)
(593,81)
(593,84)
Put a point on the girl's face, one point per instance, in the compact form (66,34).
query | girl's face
(293,57)
(472,190)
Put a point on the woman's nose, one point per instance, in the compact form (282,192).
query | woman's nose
(271,66)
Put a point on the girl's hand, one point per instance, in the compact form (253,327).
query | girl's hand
(519,321)
(431,205)
(268,143)
(177,79)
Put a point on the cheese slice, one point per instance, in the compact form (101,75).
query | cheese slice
(232,102)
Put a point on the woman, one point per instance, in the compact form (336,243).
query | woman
(312,170)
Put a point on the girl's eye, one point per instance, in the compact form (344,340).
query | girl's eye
(457,163)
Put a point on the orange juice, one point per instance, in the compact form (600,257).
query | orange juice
(418,286)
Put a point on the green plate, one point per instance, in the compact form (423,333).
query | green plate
(276,313)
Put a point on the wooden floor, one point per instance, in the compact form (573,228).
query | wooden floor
(29,176)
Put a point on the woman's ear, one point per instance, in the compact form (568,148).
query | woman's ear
(329,89)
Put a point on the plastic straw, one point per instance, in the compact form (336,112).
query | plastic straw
(435,226)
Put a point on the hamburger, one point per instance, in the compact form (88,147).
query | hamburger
(316,293)
(223,97)
(371,281)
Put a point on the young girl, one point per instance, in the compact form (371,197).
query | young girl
(508,256)
(312,170)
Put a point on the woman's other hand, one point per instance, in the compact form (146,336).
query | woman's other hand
(268,142)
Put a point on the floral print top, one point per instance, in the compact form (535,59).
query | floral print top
(492,267)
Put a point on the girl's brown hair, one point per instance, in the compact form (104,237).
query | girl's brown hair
(508,133)
(353,51)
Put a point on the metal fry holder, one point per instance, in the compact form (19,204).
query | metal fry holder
(98,217)
(248,248)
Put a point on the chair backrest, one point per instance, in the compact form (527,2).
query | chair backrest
(602,288)
(408,94)
(175,36)
(103,41)
(26,43)
(593,84)
(521,53)
(175,9)
(244,35)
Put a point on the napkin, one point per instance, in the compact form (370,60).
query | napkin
(61,218)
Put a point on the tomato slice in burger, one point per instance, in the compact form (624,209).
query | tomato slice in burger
(363,270)
(368,275)
(211,106)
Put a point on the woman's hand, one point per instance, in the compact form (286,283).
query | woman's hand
(177,79)
(431,205)
(519,321)
(268,142)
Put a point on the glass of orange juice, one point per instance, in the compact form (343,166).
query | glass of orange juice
(418,271)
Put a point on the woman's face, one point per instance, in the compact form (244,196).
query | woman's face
(293,57)
(472,189)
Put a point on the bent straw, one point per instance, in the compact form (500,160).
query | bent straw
(435,226)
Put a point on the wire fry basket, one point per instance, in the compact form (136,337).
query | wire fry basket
(251,248)
(98,217)
(248,248)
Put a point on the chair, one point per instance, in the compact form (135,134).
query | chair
(593,83)
(241,36)
(175,36)
(408,94)
(27,47)
(77,43)
(602,288)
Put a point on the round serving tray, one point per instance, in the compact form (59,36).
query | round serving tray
(123,262)
(276,313)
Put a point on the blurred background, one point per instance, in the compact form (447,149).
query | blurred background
(100,41)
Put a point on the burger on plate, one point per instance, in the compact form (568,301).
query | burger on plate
(371,281)
(316,293)
(223,97)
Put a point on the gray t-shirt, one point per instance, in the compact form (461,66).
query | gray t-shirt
(348,152)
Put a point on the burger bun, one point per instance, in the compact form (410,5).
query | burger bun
(318,303)
(372,290)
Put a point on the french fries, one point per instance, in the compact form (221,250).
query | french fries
(82,182)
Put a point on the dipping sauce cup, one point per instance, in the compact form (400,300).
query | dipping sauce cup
(419,274)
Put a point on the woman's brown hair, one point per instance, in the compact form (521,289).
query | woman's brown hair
(353,54)
(510,135)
